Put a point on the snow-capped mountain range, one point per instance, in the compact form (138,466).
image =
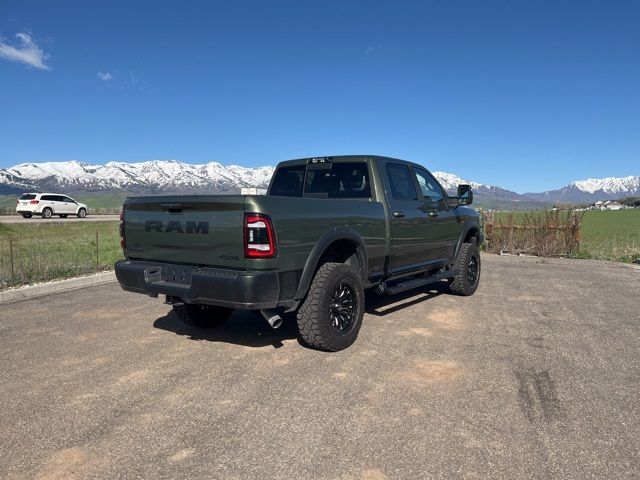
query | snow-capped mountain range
(592,190)
(145,177)
(171,176)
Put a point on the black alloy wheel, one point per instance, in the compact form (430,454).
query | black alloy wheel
(472,269)
(342,309)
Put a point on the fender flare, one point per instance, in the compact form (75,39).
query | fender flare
(311,265)
(469,226)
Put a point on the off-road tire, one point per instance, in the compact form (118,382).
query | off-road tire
(82,213)
(63,216)
(314,319)
(47,212)
(462,283)
(202,316)
(26,215)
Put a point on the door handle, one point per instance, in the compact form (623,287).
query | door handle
(398,214)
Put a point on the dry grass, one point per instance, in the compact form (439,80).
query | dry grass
(41,252)
(616,248)
(549,233)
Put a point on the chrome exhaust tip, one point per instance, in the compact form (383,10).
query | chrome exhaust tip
(272,317)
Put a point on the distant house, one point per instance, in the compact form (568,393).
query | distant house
(606,205)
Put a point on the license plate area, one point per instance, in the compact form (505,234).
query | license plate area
(182,275)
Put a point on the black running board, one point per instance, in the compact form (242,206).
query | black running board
(416,282)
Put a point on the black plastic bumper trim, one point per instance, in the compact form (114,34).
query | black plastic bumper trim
(248,290)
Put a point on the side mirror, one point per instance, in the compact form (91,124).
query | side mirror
(465,195)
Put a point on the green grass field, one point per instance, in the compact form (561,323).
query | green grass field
(45,251)
(611,235)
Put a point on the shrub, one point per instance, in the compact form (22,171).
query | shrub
(548,233)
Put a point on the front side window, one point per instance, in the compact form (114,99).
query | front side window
(431,191)
(401,182)
(342,180)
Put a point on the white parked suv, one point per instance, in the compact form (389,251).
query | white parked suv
(49,204)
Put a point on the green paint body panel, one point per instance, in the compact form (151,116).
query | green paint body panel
(221,247)
(208,230)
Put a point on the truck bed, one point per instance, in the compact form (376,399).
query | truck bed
(207,230)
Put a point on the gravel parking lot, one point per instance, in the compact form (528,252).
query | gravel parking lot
(536,376)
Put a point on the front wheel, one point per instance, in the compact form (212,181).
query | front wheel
(82,213)
(202,316)
(331,315)
(467,264)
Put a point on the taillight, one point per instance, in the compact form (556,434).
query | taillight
(259,238)
(123,242)
(34,202)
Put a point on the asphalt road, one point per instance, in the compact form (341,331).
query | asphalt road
(536,376)
(37,219)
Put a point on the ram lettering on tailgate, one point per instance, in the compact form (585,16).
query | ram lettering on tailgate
(174,226)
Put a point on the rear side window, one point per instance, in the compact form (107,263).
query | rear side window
(50,198)
(342,180)
(27,196)
(401,182)
(288,181)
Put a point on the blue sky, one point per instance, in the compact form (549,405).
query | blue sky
(525,95)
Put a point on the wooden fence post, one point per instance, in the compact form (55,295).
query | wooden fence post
(97,253)
(13,276)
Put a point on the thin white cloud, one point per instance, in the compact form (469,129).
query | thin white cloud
(372,48)
(26,52)
(122,80)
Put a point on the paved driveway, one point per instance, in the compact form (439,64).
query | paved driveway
(69,219)
(536,376)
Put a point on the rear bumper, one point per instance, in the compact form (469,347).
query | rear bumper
(250,290)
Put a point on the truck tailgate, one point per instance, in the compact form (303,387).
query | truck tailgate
(198,230)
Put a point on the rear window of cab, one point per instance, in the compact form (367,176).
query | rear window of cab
(341,180)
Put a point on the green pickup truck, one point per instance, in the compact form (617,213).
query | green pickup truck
(328,228)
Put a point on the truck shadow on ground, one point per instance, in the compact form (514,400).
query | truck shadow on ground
(381,305)
(243,328)
(249,329)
